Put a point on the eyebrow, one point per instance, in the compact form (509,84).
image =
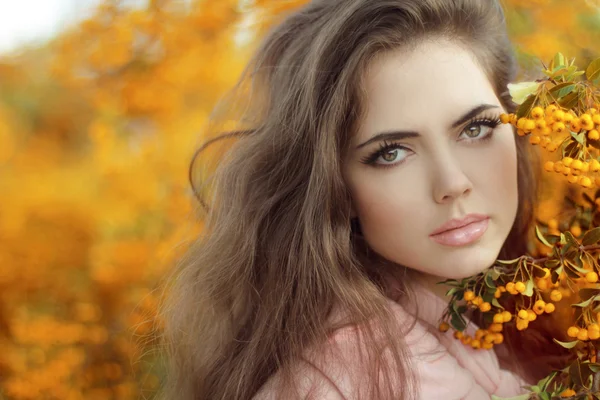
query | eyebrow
(398,135)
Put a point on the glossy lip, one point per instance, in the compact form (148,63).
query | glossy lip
(459,223)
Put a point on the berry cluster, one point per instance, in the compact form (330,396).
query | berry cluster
(551,127)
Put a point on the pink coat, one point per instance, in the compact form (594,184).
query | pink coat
(444,367)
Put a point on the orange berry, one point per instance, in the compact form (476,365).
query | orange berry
(476,344)
(567,161)
(529,125)
(523,314)
(498,318)
(573,331)
(485,307)
(549,308)
(550,109)
(495,327)
(487,346)
(522,324)
(568,393)
(558,127)
(572,179)
(504,118)
(593,135)
(466,339)
(508,316)
(469,295)
(585,182)
(549,166)
(535,139)
(582,335)
(585,167)
(458,335)
(520,287)
(577,164)
(556,295)
(539,307)
(498,338)
(489,338)
(594,335)
(591,277)
(558,115)
(479,333)
(444,326)
(594,165)
(537,112)
(542,284)
(477,301)
(531,316)
(568,118)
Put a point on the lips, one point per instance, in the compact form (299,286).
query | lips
(459,222)
(461,232)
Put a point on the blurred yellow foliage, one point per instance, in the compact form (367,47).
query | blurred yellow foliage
(97,129)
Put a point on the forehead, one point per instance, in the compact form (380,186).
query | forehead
(419,87)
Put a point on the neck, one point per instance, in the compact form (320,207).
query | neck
(431,283)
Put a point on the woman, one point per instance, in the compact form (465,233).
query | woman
(376,167)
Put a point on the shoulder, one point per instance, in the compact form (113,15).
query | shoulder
(441,366)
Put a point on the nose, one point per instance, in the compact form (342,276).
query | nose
(450,181)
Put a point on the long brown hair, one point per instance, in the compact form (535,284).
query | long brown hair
(278,250)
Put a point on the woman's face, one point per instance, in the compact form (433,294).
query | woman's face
(430,149)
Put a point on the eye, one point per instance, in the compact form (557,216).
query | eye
(389,154)
(480,129)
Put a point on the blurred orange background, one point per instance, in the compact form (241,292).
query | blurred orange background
(97,129)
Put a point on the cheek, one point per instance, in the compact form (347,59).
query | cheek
(387,209)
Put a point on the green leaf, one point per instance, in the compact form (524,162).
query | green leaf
(495,303)
(591,237)
(551,263)
(563,89)
(529,288)
(526,107)
(570,100)
(586,302)
(458,322)
(495,274)
(567,345)
(593,70)
(489,281)
(543,384)
(559,61)
(508,262)
(579,373)
(595,367)
(579,137)
(541,237)
(556,274)
(571,149)
(588,293)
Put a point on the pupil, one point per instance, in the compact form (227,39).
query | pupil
(390,155)
(474,131)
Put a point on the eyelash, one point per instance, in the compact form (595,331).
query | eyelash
(388,146)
